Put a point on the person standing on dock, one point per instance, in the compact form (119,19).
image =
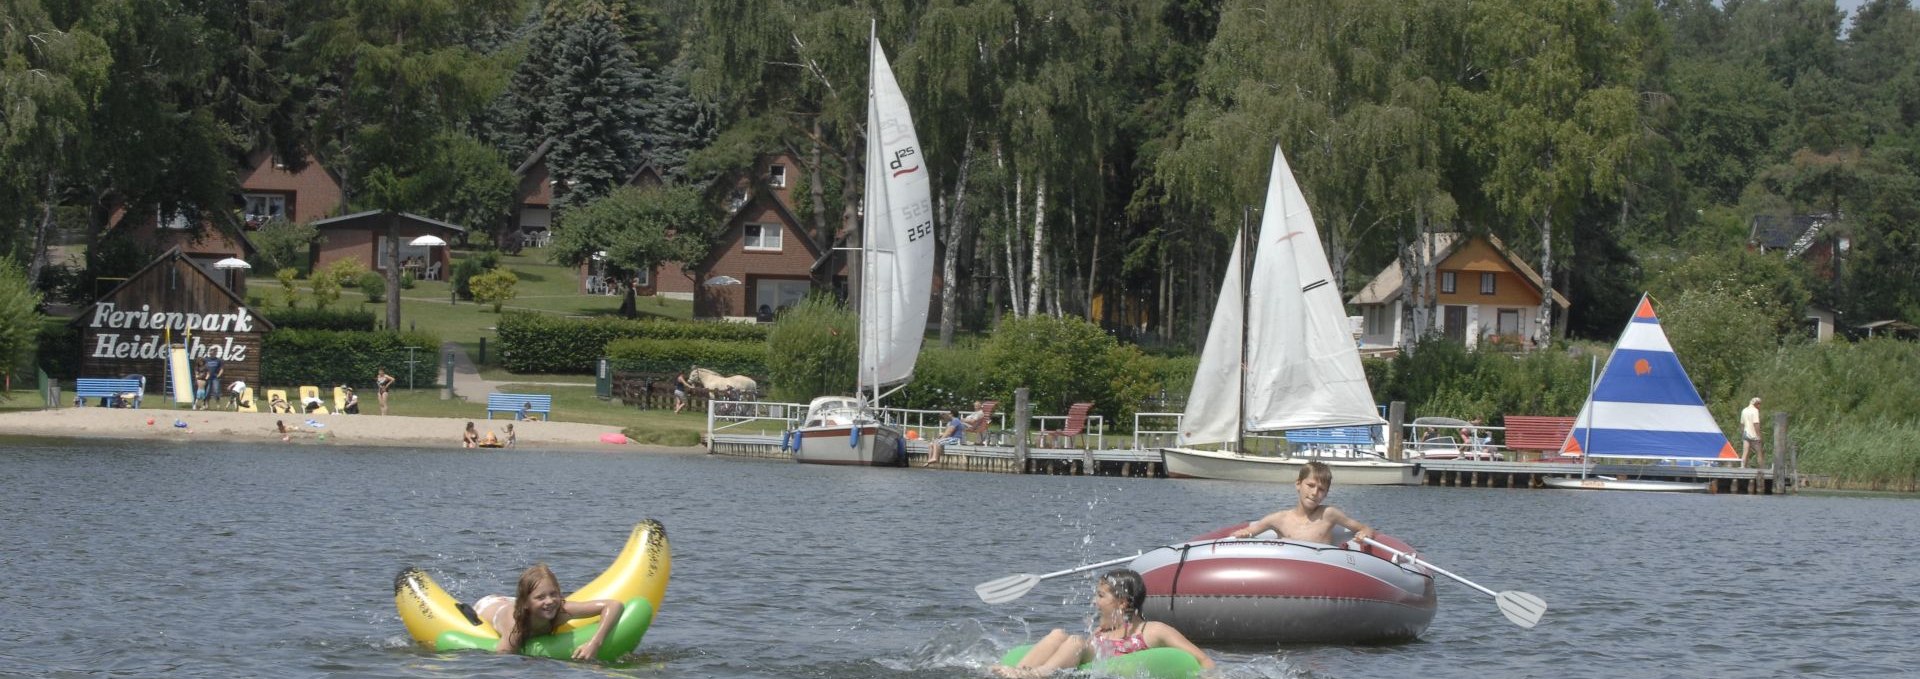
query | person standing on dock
(1750,434)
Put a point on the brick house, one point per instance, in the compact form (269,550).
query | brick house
(270,189)
(363,236)
(1485,292)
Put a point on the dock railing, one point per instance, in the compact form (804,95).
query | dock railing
(1095,430)
(1424,439)
(738,415)
(1148,433)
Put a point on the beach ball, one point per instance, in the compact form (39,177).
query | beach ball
(149,421)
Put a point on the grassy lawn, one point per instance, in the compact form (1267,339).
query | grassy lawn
(544,288)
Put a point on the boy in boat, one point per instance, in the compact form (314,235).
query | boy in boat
(1312,520)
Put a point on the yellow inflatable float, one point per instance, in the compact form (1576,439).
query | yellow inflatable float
(637,578)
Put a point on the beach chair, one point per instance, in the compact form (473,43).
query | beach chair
(278,396)
(247,404)
(1075,426)
(339,400)
(981,422)
(310,393)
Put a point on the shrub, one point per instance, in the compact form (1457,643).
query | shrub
(946,378)
(474,264)
(19,315)
(494,287)
(289,287)
(325,357)
(359,320)
(545,343)
(326,289)
(1059,360)
(812,350)
(374,285)
(678,355)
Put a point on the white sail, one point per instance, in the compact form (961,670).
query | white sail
(1213,405)
(898,253)
(1303,367)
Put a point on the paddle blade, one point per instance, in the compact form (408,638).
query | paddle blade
(1006,589)
(1522,608)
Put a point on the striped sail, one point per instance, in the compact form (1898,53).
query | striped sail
(1644,405)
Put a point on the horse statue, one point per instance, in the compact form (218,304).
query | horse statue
(738,385)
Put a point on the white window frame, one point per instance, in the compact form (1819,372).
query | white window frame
(754,237)
(1486,283)
(777,176)
(1449,282)
(176,221)
(269,200)
(1500,315)
(643,279)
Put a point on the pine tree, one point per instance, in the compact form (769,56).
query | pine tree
(676,125)
(592,110)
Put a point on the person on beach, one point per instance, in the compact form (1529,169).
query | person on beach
(526,411)
(1750,434)
(383,383)
(286,433)
(470,438)
(511,437)
(279,405)
(948,436)
(537,607)
(236,392)
(214,367)
(680,389)
(1312,520)
(352,406)
(199,387)
(1118,630)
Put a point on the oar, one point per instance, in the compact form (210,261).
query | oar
(1520,607)
(1013,587)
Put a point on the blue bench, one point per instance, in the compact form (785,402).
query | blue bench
(511,403)
(1332,436)
(109,388)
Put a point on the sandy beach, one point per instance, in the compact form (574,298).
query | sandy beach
(366,430)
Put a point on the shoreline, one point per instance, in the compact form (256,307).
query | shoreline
(158,424)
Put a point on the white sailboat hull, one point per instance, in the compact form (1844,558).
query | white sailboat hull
(1217,464)
(876,445)
(1597,483)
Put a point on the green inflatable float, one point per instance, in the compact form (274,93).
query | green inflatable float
(1159,663)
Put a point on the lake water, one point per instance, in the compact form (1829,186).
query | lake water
(142,559)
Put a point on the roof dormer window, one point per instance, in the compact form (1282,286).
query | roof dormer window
(777,176)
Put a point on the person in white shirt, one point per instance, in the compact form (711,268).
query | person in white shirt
(1750,434)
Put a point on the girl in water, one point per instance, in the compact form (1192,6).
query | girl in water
(537,607)
(1118,630)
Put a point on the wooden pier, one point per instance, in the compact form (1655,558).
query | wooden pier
(1478,474)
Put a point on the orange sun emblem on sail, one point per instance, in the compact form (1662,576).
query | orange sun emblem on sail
(1641,367)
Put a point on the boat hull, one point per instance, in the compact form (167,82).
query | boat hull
(1284,591)
(1642,485)
(1215,464)
(876,445)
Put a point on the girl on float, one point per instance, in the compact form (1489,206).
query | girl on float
(537,607)
(1118,630)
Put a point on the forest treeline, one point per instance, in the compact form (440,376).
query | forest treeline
(1083,156)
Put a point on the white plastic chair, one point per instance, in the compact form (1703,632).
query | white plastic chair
(433,272)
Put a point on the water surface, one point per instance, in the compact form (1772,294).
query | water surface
(137,559)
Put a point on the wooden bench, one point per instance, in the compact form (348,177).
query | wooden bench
(1539,435)
(1355,436)
(535,403)
(1075,425)
(109,388)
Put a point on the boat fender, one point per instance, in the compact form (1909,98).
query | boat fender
(853,437)
(899,450)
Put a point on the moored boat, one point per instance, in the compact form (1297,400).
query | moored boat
(838,430)
(1268,590)
(1196,463)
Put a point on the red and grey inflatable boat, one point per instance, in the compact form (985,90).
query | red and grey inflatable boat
(1266,590)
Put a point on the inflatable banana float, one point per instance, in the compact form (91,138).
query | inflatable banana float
(1159,663)
(637,579)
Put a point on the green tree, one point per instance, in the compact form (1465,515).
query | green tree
(635,229)
(1060,360)
(592,110)
(283,245)
(19,316)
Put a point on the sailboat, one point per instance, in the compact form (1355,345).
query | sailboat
(1289,329)
(896,286)
(1643,406)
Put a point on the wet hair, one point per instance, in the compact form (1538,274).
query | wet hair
(1127,586)
(523,600)
(1318,470)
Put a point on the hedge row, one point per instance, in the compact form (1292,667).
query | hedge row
(327,357)
(545,343)
(676,355)
(319,319)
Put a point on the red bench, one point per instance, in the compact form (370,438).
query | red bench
(1540,435)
